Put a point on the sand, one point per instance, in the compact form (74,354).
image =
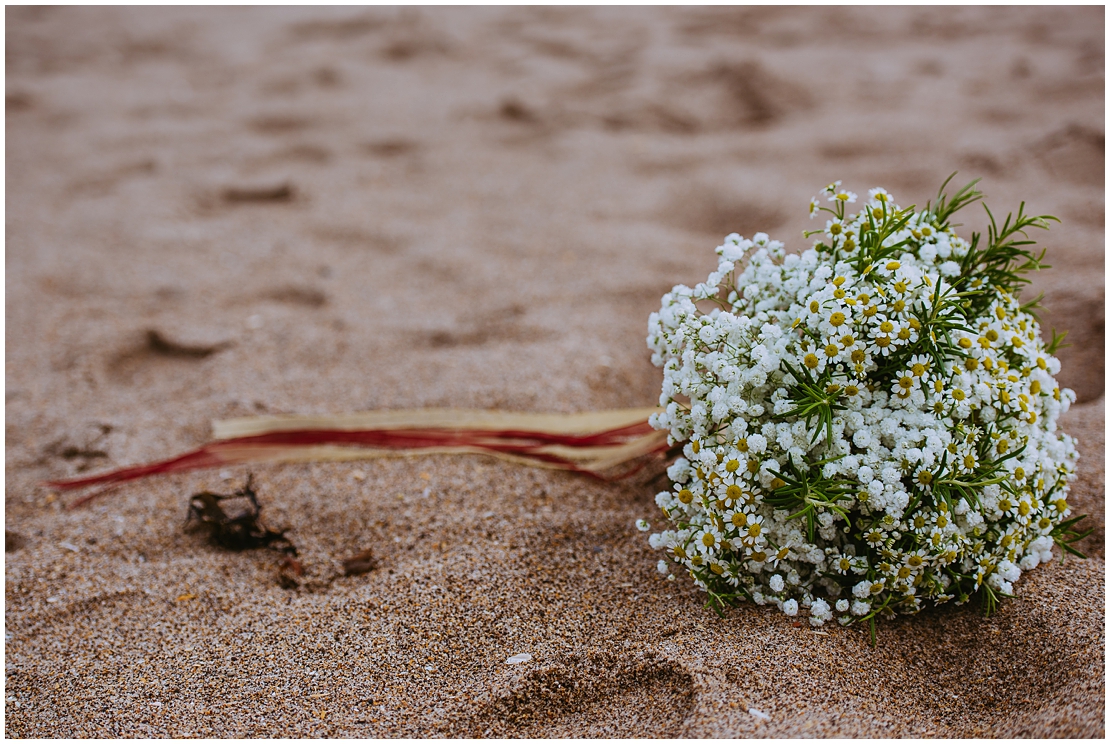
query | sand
(319,211)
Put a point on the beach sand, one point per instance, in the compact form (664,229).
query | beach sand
(216,213)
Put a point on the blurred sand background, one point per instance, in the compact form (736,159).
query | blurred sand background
(227,212)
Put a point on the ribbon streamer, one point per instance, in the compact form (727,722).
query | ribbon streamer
(590,443)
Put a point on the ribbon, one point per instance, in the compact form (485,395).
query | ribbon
(592,443)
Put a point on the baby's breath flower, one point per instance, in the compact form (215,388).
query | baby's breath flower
(872,421)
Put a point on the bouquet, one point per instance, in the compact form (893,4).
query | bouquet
(868,427)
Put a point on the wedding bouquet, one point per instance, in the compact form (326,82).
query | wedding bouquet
(866,427)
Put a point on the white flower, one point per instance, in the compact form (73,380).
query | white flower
(819,612)
(790,607)
(817,373)
(1008,571)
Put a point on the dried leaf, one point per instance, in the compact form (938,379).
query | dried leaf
(233,521)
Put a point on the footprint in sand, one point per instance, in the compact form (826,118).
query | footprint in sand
(634,697)
(154,348)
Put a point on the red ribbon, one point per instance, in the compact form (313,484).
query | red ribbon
(518,443)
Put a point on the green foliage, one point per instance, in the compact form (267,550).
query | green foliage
(806,493)
(1066,535)
(814,399)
